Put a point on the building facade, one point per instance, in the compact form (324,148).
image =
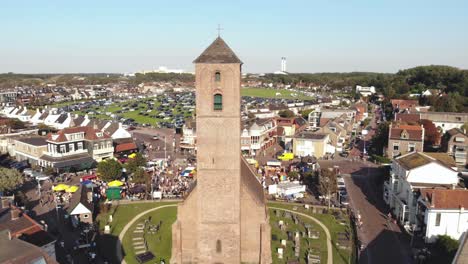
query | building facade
(75,147)
(30,149)
(310,144)
(412,173)
(224,218)
(455,143)
(404,139)
(442,212)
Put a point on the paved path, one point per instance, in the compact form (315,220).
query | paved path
(376,234)
(129,224)
(329,244)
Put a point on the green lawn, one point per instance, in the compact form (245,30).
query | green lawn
(271,93)
(123,214)
(160,244)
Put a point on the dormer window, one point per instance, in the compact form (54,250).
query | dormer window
(217,76)
(404,134)
(218,102)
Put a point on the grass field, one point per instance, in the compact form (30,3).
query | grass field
(122,214)
(272,93)
(160,244)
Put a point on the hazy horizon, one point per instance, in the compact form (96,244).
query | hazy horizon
(315,37)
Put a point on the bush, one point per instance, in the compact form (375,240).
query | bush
(444,250)
(380,159)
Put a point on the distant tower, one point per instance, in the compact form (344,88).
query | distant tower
(224,219)
(283,64)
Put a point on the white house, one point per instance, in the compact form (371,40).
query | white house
(412,173)
(443,212)
(445,121)
(189,136)
(365,91)
(258,135)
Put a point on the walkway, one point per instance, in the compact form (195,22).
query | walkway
(129,224)
(327,232)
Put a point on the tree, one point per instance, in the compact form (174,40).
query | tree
(16,124)
(305,113)
(327,182)
(140,176)
(286,113)
(49,170)
(445,249)
(465,127)
(380,139)
(10,179)
(310,179)
(109,170)
(431,133)
(293,175)
(134,163)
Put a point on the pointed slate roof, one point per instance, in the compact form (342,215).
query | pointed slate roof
(218,52)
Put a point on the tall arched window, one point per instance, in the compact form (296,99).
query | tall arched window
(218,102)
(217,76)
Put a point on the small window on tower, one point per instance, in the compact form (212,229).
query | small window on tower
(217,76)
(218,102)
(218,246)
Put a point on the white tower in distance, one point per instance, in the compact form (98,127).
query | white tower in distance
(283,64)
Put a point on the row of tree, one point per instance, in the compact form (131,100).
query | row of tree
(111,169)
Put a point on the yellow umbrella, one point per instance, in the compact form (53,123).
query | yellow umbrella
(72,189)
(115,183)
(60,187)
(132,155)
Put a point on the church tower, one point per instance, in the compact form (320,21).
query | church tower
(224,218)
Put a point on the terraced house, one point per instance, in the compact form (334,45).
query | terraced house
(403,138)
(77,147)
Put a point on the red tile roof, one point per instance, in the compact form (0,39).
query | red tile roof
(125,147)
(414,118)
(403,104)
(446,198)
(415,132)
(90,134)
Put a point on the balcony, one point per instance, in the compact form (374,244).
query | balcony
(65,154)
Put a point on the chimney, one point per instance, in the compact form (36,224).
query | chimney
(5,203)
(15,213)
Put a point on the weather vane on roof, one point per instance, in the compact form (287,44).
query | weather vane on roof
(219,30)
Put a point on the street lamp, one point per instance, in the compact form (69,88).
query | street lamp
(364,134)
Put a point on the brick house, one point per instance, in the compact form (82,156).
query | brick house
(404,138)
(400,105)
(77,147)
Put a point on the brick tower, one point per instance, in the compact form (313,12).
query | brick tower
(224,219)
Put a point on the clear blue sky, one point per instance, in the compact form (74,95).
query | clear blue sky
(315,36)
